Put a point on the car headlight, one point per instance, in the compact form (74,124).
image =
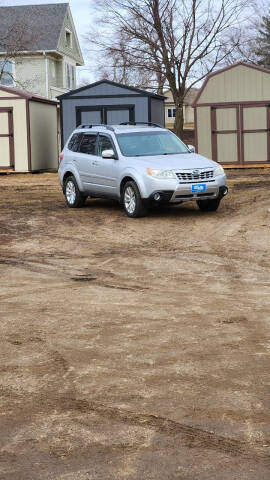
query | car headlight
(218,171)
(165,174)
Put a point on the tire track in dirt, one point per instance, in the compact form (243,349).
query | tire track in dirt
(192,436)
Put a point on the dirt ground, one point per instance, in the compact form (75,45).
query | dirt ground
(134,349)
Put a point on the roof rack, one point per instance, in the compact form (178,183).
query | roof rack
(150,124)
(91,125)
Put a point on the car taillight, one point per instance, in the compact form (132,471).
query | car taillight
(61,156)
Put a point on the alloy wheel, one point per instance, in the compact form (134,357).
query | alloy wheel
(70,192)
(130,200)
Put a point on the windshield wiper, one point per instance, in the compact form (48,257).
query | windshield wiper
(173,153)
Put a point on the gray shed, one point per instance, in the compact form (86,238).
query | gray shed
(110,103)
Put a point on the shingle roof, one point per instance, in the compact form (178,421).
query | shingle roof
(189,98)
(43,24)
(113,84)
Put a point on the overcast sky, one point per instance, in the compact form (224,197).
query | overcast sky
(81,12)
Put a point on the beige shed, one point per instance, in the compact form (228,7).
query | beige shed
(28,132)
(232,116)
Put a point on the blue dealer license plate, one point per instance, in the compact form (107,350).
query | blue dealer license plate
(199,188)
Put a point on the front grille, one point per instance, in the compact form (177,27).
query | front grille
(186,177)
(196,195)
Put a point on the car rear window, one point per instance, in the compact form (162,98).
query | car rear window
(75,142)
(88,144)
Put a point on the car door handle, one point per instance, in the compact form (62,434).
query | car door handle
(94,163)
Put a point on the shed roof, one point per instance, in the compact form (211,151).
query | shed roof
(26,95)
(225,69)
(43,24)
(113,84)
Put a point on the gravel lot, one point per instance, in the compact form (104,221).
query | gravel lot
(134,349)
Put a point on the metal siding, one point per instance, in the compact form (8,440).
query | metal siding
(91,117)
(44,138)
(255,147)
(239,84)
(4,126)
(255,118)
(226,119)
(69,109)
(4,147)
(117,116)
(157,111)
(227,148)
(204,131)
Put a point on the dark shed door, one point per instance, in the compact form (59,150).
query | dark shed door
(116,116)
(108,114)
(91,116)
(88,115)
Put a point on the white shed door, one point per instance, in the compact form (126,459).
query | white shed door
(255,133)
(6,138)
(225,134)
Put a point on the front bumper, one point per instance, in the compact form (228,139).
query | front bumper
(182,192)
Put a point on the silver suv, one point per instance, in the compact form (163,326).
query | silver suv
(140,165)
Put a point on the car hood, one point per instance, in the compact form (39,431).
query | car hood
(174,162)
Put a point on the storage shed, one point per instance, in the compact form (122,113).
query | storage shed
(110,103)
(28,132)
(232,116)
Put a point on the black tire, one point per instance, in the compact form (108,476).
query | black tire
(139,209)
(70,187)
(208,205)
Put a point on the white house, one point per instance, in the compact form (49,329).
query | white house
(46,66)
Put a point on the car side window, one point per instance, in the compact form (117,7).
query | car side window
(104,143)
(75,142)
(88,144)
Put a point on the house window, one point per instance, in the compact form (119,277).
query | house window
(68,39)
(6,73)
(70,76)
(53,69)
(171,112)
(73,73)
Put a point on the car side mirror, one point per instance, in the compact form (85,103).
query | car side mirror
(108,154)
(191,148)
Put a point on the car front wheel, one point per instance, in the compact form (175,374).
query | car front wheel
(73,196)
(133,204)
(208,205)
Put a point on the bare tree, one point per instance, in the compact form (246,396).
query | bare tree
(173,42)
(121,67)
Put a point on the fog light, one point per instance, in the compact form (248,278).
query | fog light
(225,191)
(157,197)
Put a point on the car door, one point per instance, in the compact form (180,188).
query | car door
(106,169)
(85,160)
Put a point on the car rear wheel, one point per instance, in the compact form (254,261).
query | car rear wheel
(132,201)
(73,196)
(208,205)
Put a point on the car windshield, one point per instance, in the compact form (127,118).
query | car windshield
(140,144)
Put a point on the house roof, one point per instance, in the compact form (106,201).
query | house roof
(114,84)
(189,98)
(225,69)
(43,24)
(26,95)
